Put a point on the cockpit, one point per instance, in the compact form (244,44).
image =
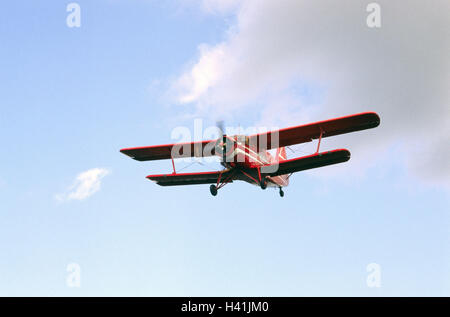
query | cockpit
(241,139)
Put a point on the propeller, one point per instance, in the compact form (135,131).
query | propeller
(223,138)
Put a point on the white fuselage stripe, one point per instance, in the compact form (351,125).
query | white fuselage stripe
(253,157)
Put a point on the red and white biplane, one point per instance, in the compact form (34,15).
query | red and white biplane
(246,158)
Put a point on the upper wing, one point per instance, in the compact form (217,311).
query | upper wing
(167,151)
(307,162)
(262,141)
(308,132)
(188,178)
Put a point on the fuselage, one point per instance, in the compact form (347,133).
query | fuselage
(244,158)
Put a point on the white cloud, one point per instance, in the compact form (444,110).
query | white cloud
(85,185)
(216,7)
(203,75)
(276,49)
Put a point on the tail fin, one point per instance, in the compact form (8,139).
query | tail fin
(281,154)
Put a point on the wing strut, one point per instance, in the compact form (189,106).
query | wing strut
(320,139)
(220,182)
(173,165)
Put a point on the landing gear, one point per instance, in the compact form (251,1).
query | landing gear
(281,192)
(263,183)
(262,180)
(222,181)
(213,190)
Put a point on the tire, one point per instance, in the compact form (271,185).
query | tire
(213,190)
(281,193)
(263,184)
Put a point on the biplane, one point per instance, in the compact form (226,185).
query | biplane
(247,158)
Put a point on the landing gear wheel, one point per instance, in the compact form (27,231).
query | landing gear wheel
(213,190)
(263,183)
(281,192)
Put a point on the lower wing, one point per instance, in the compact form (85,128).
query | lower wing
(306,162)
(188,178)
(284,167)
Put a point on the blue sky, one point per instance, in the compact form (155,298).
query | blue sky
(71,98)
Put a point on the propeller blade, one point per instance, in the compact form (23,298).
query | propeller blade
(220,126)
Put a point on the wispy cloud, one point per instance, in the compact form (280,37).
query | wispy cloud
(85,185)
